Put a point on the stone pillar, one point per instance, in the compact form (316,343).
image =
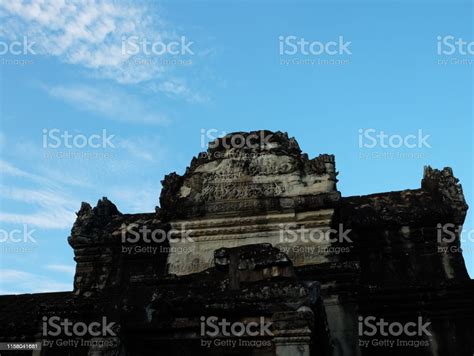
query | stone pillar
(107,346)
(293,342)
(292,332)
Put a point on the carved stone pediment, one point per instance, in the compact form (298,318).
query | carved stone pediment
(247,168)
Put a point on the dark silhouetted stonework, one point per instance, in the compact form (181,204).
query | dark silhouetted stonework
(231,246)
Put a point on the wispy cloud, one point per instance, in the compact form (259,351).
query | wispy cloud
(178,88)
(107,102)
(44,197)
(17,282)
(50,191)
(68,269)
(146,148)
(52,209)
(86,33)
(95,34)
(136,199)
(7,169)
(57,219)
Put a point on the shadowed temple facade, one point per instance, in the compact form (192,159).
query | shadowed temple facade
(253,251)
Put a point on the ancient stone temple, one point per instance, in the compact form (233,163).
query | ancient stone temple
(253,251)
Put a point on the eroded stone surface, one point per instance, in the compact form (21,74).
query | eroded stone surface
(226,180)
(234,196)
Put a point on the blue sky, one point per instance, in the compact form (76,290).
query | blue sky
(233,76)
